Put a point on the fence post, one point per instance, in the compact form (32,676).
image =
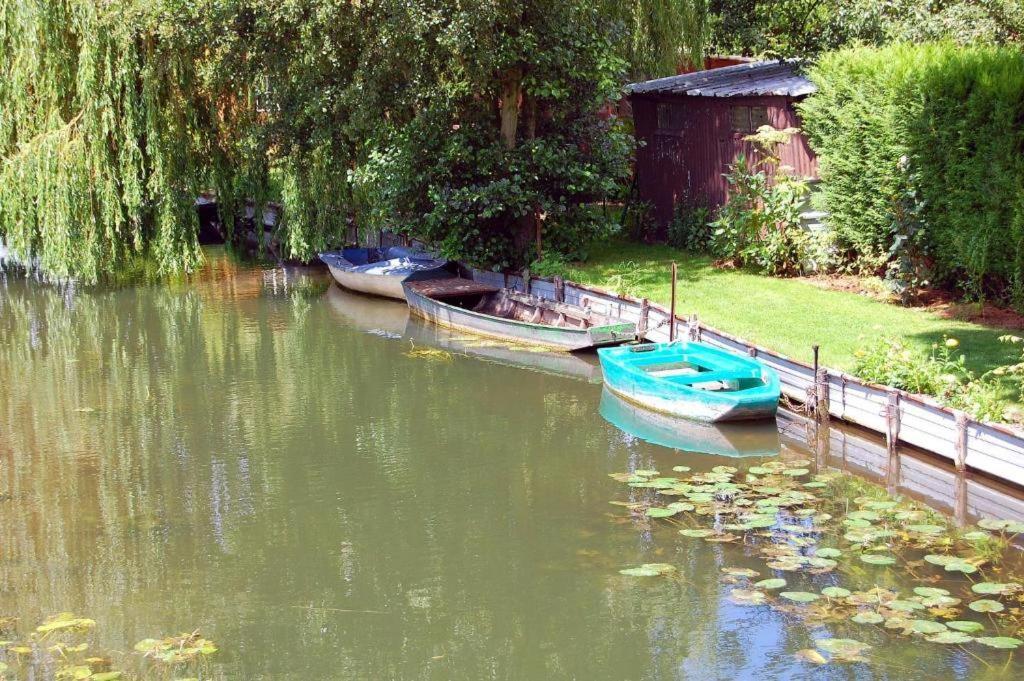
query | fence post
(821,397)
(672,311)
(961,443)
(892,422)
(526,281)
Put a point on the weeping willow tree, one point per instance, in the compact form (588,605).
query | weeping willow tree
(101,130)
(662,35)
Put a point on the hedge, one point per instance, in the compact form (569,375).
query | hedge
(956,116)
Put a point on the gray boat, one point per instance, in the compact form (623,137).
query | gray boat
(513,316)
(381,272)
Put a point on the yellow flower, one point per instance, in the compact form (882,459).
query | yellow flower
(952,342)
(859,353)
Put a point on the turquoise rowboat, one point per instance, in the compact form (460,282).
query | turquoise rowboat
(692,380)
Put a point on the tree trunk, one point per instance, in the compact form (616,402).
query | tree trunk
(511,89)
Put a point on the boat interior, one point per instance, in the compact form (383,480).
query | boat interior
(367,256)
(689,370)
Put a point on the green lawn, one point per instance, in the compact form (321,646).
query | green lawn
(785,315)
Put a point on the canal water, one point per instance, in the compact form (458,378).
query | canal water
(330,490)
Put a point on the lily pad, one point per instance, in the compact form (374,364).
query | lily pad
(828,553)
(835,592)
(681,469)
(698,532)
(930,591)
(877,559)
(961,566)
(950,637)
(986,605)
(990,588)
(656,512)
(968,626)
(904,606)
(868,617)
(1001,642)
(748,597)
(740,572)
(927,626)
(926,529)
(648,570)
(842,647)
(799,596)
(773,583)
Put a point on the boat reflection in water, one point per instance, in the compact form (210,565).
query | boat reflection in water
(374,315)
(759,438)
(535,358)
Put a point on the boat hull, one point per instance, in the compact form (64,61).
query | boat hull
(383,278)
(626,379)
(514,331)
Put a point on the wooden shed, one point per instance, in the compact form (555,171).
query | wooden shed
(690,127)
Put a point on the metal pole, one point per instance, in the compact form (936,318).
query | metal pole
(672,311)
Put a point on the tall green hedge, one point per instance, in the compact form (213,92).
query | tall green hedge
(956,116)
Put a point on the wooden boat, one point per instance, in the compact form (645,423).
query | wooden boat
(736,440)
(381,273)
(513,316)
(692,380)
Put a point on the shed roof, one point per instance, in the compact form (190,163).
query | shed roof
(777,77)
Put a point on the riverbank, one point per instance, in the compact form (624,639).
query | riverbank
(785,315)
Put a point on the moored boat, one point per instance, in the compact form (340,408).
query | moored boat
(513,316)
(382,272)
(692,380)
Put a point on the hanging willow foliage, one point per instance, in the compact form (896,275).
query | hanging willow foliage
(98,134)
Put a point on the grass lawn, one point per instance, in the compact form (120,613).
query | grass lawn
(785,315)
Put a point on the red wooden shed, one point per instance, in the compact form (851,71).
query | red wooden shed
(691,127)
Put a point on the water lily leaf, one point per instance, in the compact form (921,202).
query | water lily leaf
(867,617)
(990,588)
(969,626)
(828,553)
(773,583)
(1001,642)
(940,602)
(877,559)
(748,597)
(799,596)
(986,605)
(950,637)
(961,566)
(941,559)
(681,469)
(976,536)
(759,522)
(696,533)
(645,473)
(700,497)
(927,626)
(810,655)
(655,512)
(795,472)
(645,570)
(926,529)
(65,621)
(856,523)
(740,572)
(835,592)
(864,515)
(843,647)
(904,606)
(930,591)
(880,505)
(992,524)
(105,676)
(680,506)
(822,563)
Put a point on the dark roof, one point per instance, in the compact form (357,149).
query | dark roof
(742,80)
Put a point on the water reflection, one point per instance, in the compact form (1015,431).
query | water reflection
(236,453)
(730,440)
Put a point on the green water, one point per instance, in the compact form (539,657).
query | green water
(278,465)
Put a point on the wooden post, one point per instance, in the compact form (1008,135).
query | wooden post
(961,443)
(526,281)
(672,311)
(821,398)
(559,289)
(641,328)
(892,423)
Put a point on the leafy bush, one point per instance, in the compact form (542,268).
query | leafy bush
(690,228)
(941,373)
(760,225)
(922,148)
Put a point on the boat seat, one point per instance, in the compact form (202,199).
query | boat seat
(695,378)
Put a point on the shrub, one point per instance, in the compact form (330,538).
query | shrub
(759,225)
(941,373)
(690,228)
(936,130)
